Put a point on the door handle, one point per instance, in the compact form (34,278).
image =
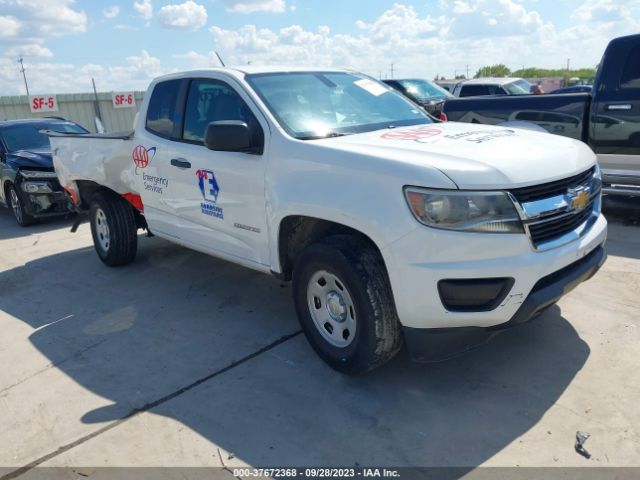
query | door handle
(180,163)
(623,106)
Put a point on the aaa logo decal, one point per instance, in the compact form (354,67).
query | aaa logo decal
(210,190)
(142,156)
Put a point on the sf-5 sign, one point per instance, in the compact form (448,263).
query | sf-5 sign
(123,99)
(43,103)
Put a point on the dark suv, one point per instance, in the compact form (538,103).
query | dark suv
(30,186)
(427,94)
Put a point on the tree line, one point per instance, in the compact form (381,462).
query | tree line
(501,70)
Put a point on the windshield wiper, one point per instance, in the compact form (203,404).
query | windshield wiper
(328,135)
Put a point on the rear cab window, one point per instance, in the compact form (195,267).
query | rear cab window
(162,113)
(474,90)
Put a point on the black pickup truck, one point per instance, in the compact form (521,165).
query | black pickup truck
(607,119)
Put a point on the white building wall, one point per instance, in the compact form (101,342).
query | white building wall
(77,107)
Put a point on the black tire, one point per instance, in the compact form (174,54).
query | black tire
(16,203)
(360,268)
(118,244)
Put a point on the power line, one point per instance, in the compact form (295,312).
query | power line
(22,69)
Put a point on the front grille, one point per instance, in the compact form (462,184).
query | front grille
(559,187)
(558,225)
(55,184)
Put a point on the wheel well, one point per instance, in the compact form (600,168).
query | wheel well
(5,190)
(296,232)
(87,189)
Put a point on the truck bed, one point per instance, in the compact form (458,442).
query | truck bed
(103,158)
(565,115)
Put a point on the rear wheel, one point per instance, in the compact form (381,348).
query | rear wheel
(18,207)
(344,303)
(114,229)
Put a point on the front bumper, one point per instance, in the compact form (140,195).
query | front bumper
(437,344)
(621,182)
(44,198)
(417,262)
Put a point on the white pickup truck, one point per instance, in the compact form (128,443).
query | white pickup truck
(391,226)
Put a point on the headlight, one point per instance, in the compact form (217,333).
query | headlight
(491,212)
(36,187)
(597,172)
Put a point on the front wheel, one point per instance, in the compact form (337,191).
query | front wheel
(18,207)
(345,306)
(114,230)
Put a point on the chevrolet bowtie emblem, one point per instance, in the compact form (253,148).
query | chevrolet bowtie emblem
(579,199)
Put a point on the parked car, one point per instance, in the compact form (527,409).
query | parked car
(29,184)
(492,86)
(608,118)
(427,94)
(573,89)
(448,85)
(388,225)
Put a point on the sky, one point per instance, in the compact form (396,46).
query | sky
(123,44)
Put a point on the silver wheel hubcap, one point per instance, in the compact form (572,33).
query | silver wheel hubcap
(15,206)
(102,230)
(331,308)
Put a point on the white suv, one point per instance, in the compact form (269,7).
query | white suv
(492,86)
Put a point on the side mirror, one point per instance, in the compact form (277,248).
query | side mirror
(231,136)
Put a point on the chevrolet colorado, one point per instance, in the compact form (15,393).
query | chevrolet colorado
(390,226)
(607,119)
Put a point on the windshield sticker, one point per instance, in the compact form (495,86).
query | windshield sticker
(209,189)
(481,136)
(420,134)
(374,88)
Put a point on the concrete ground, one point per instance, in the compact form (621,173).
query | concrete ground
(184,360)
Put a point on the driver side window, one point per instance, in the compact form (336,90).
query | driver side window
(630,78)
(212,101)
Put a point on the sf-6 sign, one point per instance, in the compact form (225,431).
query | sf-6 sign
(43,103)
(123,99)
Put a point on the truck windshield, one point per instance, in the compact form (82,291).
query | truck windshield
(519,87)
(27,136)
(311,105)
(422,90)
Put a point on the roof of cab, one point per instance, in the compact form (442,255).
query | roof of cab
(490,81)
(241,71)
(39,120)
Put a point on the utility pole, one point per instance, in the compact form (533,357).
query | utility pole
(26,86)
(392,70)
(96,103)
(467,70)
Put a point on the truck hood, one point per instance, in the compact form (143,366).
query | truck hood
(30,159)
(475,156)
